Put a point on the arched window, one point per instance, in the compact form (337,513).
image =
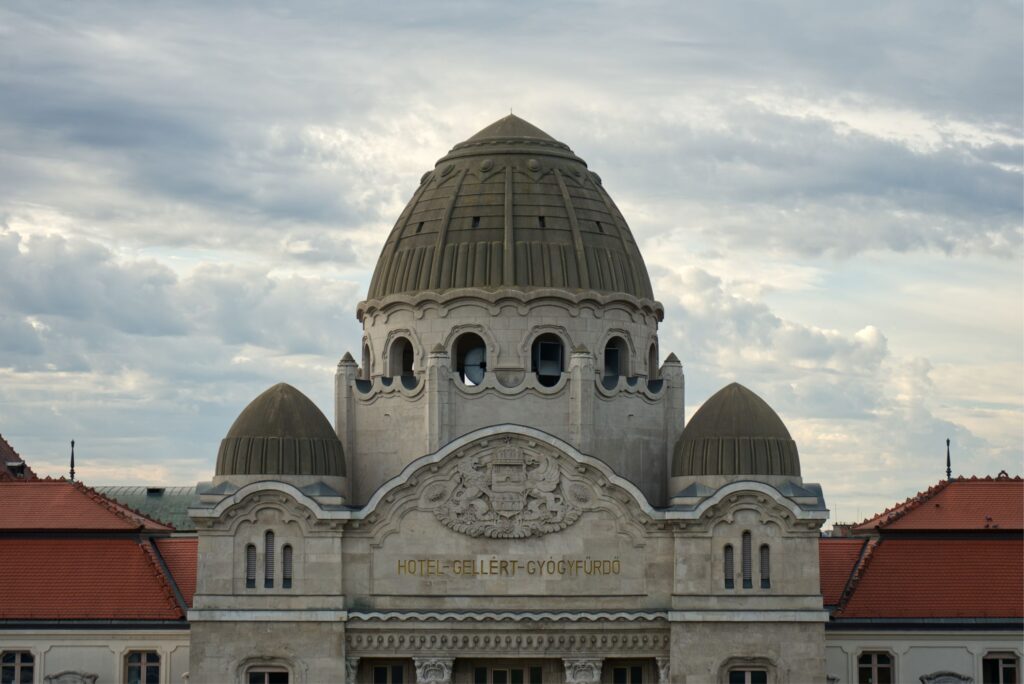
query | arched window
(729,568)
(616,359)
(547,359)
(470,358)
(652,362)
(748,574)
(364,369)
(286,566)
(400,358)
(250,566)
(766,567)
(268,560)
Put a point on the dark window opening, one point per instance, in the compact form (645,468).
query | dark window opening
(143,667)
(364,370)
(286,566)
(633,674)
(729,569)
(471,358)
(508,675)
(476,222)
(600,227)
(748,571)
(389,674)
(748,677)
(766,569)
(268,558)
(268,677)
(541,223)
(547,359)
(874,668)
(250,566)
(616,354)
(419,227)
(17,667)
(401,358)
(652,362)
(999,668)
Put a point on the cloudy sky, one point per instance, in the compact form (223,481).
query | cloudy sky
(829,197)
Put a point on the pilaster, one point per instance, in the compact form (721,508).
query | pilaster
(438,379)
(582,377)
(344,415)
(351,670)
(675,408)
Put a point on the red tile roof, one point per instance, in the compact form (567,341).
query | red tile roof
(62,505)
(939,578)
(838,558)
(9,455)
(180,554)
(960,504)
(82,579)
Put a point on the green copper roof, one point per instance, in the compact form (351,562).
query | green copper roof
(166,504)
(511,207)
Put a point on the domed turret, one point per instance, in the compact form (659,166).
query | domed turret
(281,432)
(734,433)
(511,207)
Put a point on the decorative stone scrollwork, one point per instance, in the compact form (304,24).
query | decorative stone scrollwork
(433,670)
(351,670)
(508,491)
(946,678)
(582,670)
(664,670)
(71,677)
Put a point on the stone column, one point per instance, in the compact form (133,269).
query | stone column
(433,670)
(664,667)
(582,377)
(675,407)
(438,379)
(351,670)
(344,414)
(583,670)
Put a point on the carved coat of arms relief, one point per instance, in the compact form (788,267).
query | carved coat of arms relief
(508,491)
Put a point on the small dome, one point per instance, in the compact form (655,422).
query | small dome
(511,207)
(281,432)
(735,432)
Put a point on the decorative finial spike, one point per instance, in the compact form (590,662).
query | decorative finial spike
(72,460)
(949,469)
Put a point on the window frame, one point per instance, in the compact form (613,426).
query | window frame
(18,666)
(269,540)
(746,546)
(266,671)
(729,566)
(1000,656)
(144,664)
(287,565)
(764,557)
(874,666)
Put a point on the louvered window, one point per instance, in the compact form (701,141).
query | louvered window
(250,566)
(730,568)
(268,560)
(766,567)
(286,566)
(748,574)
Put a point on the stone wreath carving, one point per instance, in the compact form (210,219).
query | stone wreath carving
(508,492)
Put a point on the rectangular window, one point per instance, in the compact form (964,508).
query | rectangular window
(748,677)
(729,568)
(250,566)
(476,222)
(999,668)
(142,667)
(286,566)
(268,677)
(17,667)
(268,560)
(389,674)
(766,567)
(507,675)
(874,668)
(542,222)
(748,572)
(629,674)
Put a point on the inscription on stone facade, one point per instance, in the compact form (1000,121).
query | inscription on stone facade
(507,567)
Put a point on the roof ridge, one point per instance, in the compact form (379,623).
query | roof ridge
(155,563)
(118,508)
(859,570)
(891,515)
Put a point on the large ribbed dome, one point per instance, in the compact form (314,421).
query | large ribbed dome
(281,432)
(511,207)
(735,432)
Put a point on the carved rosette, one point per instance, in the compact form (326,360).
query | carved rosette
(582,670)
(433,670)
(508,489)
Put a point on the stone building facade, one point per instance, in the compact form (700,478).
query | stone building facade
(508,494)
